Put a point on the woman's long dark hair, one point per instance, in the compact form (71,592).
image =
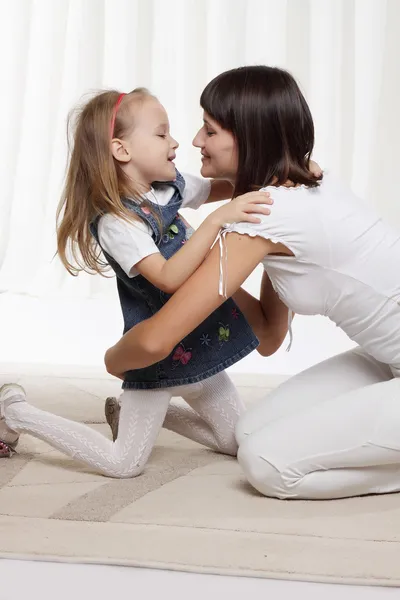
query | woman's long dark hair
(268,115)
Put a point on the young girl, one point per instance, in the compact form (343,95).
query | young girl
(122,144)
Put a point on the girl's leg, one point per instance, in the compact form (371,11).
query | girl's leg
(211,417)
(8,437)
(141,418)
(329,379)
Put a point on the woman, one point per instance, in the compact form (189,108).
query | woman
(334,430)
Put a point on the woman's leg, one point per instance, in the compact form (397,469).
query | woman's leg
(211,417)
(141,418)
(328,379)
(342,446)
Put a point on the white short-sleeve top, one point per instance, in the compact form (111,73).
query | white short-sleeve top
(346,262)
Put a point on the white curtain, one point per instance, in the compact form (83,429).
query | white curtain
(345,54)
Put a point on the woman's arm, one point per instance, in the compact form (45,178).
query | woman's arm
(268,317)
(276,311)
(154,339)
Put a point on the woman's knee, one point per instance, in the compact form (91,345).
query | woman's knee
(263,475)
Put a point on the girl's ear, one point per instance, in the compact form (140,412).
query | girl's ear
(120,151)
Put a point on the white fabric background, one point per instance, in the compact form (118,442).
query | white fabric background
(345,54)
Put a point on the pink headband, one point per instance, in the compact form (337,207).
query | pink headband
(114,115)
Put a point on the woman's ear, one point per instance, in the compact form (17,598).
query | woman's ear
(120,150)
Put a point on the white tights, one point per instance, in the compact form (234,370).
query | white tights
(210,419)
(332,431)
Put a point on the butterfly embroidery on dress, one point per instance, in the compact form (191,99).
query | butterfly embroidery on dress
(223,333)
(172,231)
(181,355)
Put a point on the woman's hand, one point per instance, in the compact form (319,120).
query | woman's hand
(315,169)
(242,209)
(108,361)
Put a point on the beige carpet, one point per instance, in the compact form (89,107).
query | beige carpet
(191,510)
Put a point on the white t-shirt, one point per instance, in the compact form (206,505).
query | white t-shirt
(129,243)
(345,266)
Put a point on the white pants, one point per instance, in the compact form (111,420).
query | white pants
(210,418)
(332,431)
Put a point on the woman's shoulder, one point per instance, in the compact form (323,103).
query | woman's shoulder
(298,200)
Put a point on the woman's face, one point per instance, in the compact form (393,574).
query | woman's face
(218,150)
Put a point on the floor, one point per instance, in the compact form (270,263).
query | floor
(45,581)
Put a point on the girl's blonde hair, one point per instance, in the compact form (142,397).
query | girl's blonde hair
(95,181)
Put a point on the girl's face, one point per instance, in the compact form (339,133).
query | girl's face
(148,149)
(218,149)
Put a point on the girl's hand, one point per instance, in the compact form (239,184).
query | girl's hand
(242,208)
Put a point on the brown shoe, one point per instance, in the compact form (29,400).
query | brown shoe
(111,410)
